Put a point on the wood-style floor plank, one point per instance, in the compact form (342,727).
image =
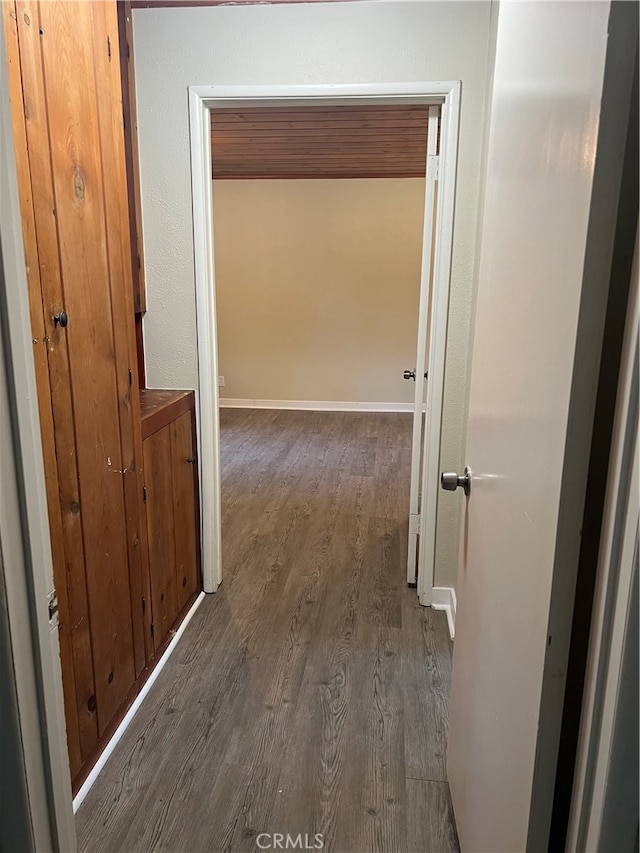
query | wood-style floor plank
(309,695)
(426,660)
(430,822)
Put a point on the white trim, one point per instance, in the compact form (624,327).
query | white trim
(314,405)
(611,600)
(201,100)
(444,598)
(421,365)
(207,423)
(329,94)
(438,342)
(124,725)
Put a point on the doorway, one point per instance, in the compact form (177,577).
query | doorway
(323,244)
(202,101)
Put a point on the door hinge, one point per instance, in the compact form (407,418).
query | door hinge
(433,167)
(144,494)
(414,523)
(52,604)
(109,47)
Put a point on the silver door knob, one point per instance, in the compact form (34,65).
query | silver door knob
(411,374)
(450,481)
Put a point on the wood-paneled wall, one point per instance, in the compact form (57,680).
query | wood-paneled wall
(319,142)
(68,128)
(132,158)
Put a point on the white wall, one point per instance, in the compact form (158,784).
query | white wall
(317,288)
(296,44)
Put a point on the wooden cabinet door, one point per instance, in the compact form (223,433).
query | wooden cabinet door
(172,521)
(184,478)
(161,532)
(69,141)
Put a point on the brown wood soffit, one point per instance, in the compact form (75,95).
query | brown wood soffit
(319,142)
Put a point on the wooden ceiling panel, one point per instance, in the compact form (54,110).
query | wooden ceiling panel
(319,142)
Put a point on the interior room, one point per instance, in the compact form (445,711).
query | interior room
(318,224)
(324,241)
(318,221)
(318,425)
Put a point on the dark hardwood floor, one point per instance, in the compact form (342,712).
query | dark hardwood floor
(310,694)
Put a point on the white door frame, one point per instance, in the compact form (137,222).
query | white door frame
(202,99)
(420,375)
(597,774)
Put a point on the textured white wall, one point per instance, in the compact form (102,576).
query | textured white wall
(359,42)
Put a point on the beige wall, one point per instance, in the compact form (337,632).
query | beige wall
(317,285)
(304,43)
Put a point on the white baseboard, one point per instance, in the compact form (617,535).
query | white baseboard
(104,757)
(444,598)
(314,405)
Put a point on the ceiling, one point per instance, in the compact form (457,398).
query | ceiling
(319,142)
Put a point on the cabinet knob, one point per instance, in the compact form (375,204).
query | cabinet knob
(61,319)
(191,460)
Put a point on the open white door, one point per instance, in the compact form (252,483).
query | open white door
(419,374)
(531,317)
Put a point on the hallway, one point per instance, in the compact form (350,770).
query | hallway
(310,694)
